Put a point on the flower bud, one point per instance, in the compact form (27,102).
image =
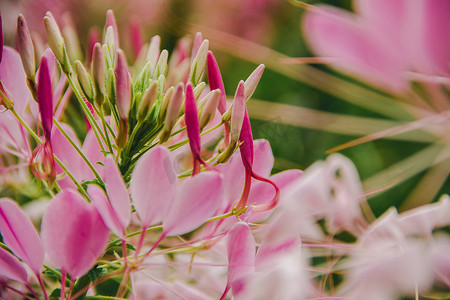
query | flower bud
(161,67)
(109,47)
(26,48)
(252,81)
(238,111)
(111,86)
(199,62)
(153,52)
(198,40)
(72,42)
(208,106)
(123,87)
(165,103)
(215,80)
(111,22)
(85,80)
(174,107)
(98,69)
(199,89)
(147,101)
(56,41)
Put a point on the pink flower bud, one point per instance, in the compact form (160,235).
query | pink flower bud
(215,80)
(123,88)
(111,21)
(45,97)
(25,45)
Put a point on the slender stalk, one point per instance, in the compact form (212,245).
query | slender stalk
(41,284)
(80,188)
(85,109)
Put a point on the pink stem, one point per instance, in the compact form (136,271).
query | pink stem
(155,245)
(248,183)
(63,285)
(141,241)
(227,288)
(274,202)
(32,291)
(41,283)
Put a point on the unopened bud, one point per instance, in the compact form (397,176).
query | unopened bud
(55,40)
(147,101)
(122,134)
(98,72)
(123,85)
(228,152)
(174,107)
(110,49)
(85,80)
(238,112)
(208,106)
(198,64)
(161,67)
(252,81)
(111,86)
(72,42)
(165,103)
(153,52)
(197,42)
(199,89)
(111,22)
(26,48)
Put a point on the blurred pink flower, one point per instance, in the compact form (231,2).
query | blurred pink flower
(385,39)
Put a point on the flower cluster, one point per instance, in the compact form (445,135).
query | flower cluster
(169,196)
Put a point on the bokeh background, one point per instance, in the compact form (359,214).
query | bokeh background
(303,107)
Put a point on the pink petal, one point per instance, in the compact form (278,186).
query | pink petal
(196,200)
(20,235)
(11,268)
(280,239)
(234,175)
(434,38)
(153,184)
(14,79)
(336,34)
(106,211)
(69,156)
(241,249)
(263,157)
(117,192)
(92,150)
(262,192)
(73,233)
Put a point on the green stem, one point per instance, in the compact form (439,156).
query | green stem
(105,128)
(59,162)
(86,160)
(86,110)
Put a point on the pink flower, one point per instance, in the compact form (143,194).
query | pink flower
(73,233)
(158,195)
(384,39)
